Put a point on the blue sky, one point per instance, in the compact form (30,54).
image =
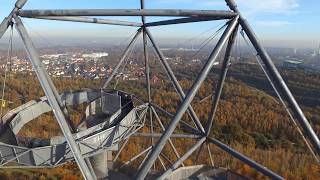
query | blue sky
(275,21)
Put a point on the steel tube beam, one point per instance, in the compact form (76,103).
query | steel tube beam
(223,74)
(186,125)
(183,158)
(120,150)
(157,135)
(7,20)
(88,20)
(163,129)
(244,159)
(175,82)
(166,158)
(142,5)
(137,156)
(146,57)
(58,98)
(123,57)
(127,12)
(277,79)
(164,167)
(222,77)
(294,121)
(187,100)
(90,167)
(198,153)
(210,154)
(181,21)
(36,63)
(145,157)
(4,25)
(147,69)
(18,6)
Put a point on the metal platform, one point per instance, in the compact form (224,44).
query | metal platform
(109,119)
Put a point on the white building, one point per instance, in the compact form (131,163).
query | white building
(95,55)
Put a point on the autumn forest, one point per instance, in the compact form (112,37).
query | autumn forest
(250,118)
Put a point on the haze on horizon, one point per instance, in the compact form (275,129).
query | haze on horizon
(279,23)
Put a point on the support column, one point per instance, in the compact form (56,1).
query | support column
(277,79)
(36,63)
(100,164)
(147,71)
(3,28)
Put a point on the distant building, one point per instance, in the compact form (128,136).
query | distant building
(196,60)
(94,55)
(154,79)
(293,63)
(46,62)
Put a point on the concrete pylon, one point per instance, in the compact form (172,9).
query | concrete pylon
(100,164)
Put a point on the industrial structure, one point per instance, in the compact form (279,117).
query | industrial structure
(112,117)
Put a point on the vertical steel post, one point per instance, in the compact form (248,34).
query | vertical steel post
(124,55)
(147,69)
(277,79)
(36,63)
(175,82)
(187,100)
(224,70)
(146,56)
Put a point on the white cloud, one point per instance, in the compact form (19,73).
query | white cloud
(251,8)
(175,1)
(211,3)
(268,6)
(248,6)
(214,3)
(273,23)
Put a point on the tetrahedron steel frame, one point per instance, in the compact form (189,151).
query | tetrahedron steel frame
(201,133)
